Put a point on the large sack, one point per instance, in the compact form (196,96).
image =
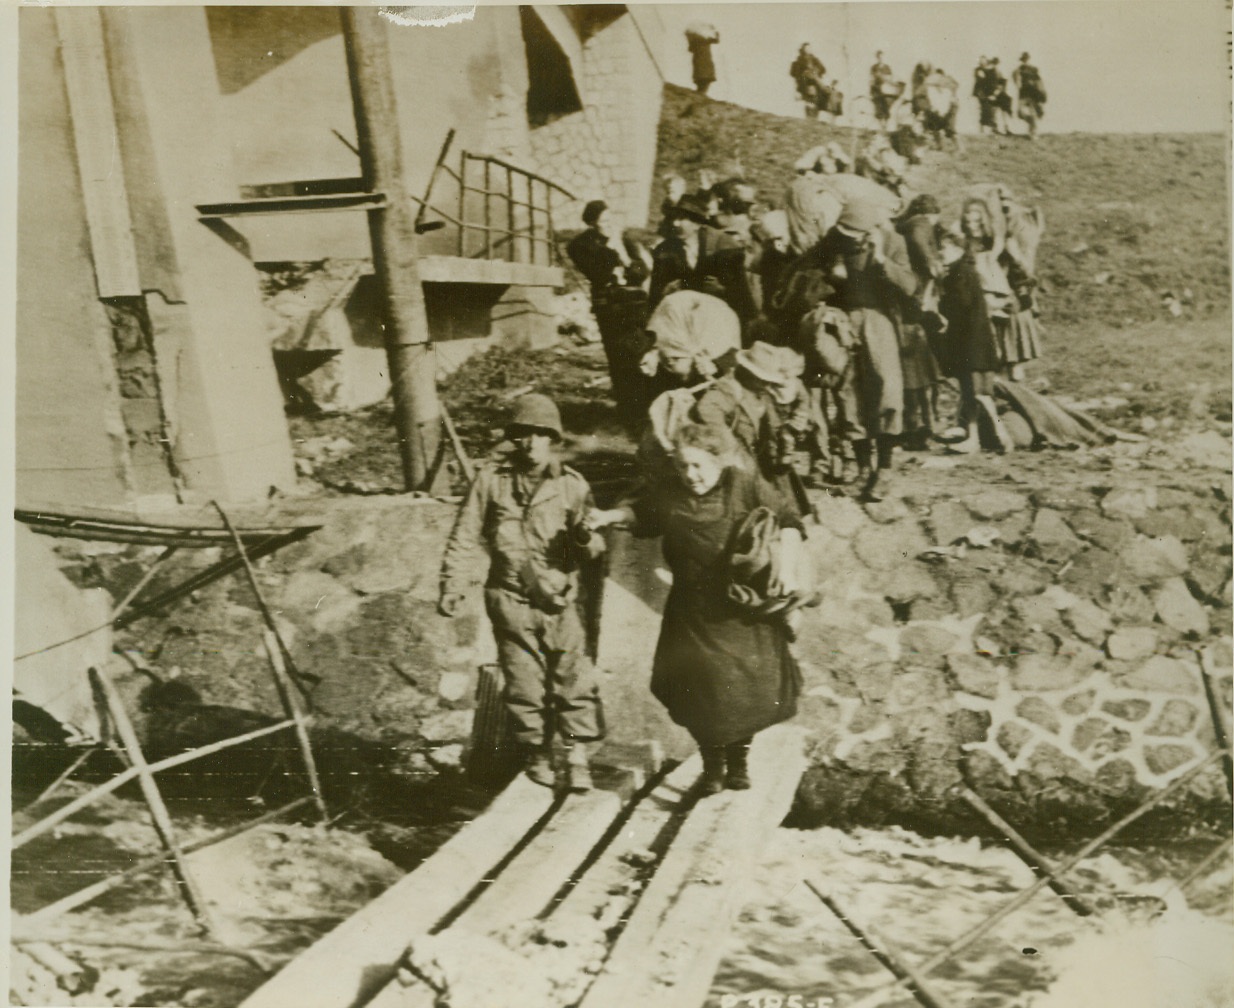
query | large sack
(700,326)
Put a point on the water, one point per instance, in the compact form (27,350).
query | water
(922,893)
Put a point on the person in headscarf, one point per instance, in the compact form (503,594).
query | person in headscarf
(723,670)
(965,349)
(917,227)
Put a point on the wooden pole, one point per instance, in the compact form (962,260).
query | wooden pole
(413,370)
(881,949)
(276,650)
(158,810)
(1222,850)
(1214,712)
(1022,847)
(126,775)
(982,928)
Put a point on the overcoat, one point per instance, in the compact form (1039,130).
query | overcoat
(722,673)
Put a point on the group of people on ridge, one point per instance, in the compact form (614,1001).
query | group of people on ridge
(990,90)
(752,350)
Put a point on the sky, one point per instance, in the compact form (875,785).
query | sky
(1108,65)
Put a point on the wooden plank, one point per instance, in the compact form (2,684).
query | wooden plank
(669,950)
(526,885)
(643,831)
(455,269)
(355,960)
(98,151)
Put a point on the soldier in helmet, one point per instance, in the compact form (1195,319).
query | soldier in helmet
(528,513)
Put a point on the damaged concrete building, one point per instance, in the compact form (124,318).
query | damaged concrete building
(147,136)
(172,157)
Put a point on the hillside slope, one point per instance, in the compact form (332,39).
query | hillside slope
(1129,218)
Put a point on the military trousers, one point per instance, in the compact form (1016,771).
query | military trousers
(551,685)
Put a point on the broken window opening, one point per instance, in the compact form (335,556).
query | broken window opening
(551,91)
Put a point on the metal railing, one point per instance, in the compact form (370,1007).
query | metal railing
(514,208)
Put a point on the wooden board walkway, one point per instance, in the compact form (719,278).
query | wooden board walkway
(660,877)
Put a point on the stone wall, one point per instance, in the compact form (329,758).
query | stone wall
(607,150)
(1048,648)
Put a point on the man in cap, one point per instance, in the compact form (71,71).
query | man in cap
(528,513)
(701,258)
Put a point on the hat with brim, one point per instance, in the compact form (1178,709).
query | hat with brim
(860,217)
(691,208)
(763,361)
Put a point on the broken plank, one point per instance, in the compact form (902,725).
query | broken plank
(675,938)
(347,966)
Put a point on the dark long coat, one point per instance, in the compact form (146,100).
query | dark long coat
(968,344)
(722,674)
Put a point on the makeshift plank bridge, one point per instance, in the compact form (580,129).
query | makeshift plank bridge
(657,879)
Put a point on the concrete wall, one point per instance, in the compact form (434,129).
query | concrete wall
(70,435)
(168,386)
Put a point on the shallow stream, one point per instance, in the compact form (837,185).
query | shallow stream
(921,893)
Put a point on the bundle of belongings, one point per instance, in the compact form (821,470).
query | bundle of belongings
(754,567)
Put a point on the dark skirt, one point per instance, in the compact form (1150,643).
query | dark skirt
(722,675)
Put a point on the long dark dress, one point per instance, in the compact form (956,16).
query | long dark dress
(721,674)
(968,345)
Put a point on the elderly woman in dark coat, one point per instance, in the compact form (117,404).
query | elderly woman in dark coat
(722,671)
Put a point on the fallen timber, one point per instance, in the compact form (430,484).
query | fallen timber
(658,880)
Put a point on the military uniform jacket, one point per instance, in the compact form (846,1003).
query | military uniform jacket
(531,526)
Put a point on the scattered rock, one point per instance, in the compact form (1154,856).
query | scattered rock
(1078,703)
(888,547)
(927,639)
(948,522)
(1090,730)
(1049,763)
(453,686)
(1051,537)
(841,516)
(448,726)
(885,512)
(991,505)
(1115,777)
(1012,737)
(1131,643)
(1177,608)
(1129,502)
(1154,559)
(1129,605)
(1206,448)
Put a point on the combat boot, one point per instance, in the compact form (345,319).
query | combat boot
(712,780)
(738,776)
(538,766)
(577,767)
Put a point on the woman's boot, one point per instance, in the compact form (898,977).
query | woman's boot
(712,780)
(738,776)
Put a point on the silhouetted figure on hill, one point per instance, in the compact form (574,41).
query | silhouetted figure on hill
(884,89)
(1031,93)
(700,38)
